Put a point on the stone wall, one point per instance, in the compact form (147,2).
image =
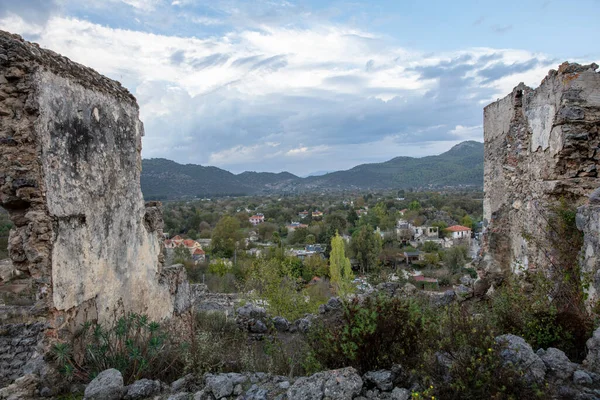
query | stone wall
(541,146)
(18,350)
(588,221)
(84,243)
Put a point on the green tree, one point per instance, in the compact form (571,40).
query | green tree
(366,245)
(339,267)
(467,221)
(352,217)
(414,205)
(225,237)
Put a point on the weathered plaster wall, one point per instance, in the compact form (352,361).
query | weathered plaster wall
(541,145)
(588,221)
(84,243)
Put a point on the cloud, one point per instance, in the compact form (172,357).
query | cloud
(291,97)
(33,11)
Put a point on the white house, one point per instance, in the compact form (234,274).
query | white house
(459,232)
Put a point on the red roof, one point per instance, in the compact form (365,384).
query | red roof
(177,237)
(189,243)
(257,217)
(198,251)
(457,228)
(167,242)
(421,278)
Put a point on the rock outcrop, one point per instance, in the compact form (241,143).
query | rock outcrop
(541,145)
(84,244)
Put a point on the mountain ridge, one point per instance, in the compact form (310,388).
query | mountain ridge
(462,165)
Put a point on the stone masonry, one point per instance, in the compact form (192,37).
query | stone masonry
(84,243)
(541,146)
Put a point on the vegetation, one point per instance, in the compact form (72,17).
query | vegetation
(339,267)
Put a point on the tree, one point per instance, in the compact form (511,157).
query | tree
(366,244)
(339,267)
(352,216)
(414,205)
(467,221)
(225,237)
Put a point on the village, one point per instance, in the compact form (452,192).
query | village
(413,248)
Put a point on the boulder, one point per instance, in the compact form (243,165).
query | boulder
(281,324)
(401,394)
(582,378)
(557,363)
(142,389)
(108,385)
(336,384)
(592,361)
(463,292)
(187,383)
(257,326)
(180,396)
(407,290)
(516,351)
(219,385)
(251,311)
(382,379)
(256,393)
(24,387)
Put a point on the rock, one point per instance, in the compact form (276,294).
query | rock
(219,385)
(595,197)
(518,352)
(281,324)
(187,383)
(388,288)
(336,384)
(237,389)
(108,385)
(284,385)
(180,396)
(333,303)
(251,311)
(46,392)
(407,290)
(382,379)
(444,299)
(203,395)
(582,378)
(401,394)
(257,326)
(557,363)
(256,393)
(467,280)
(304,324)
(142,389)
(592,361)
(463,292)
(24,387)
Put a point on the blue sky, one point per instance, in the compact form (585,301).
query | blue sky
(305,86)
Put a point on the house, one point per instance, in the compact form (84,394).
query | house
(317,214)
(295,225)
(426,232)
(303,214)
(412,256)
(459,232)
(199,255)
(257,219)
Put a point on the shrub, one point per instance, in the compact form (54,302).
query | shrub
(133,345)
(371,335)
(464,361)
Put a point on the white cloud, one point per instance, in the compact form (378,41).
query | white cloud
(321,96)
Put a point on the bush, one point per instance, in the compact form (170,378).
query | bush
(133,345)
(463,361)
(371,335)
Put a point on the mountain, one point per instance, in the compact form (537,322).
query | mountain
(461,165)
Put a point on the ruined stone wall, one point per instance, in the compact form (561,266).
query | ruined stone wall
(84,244)
(541,145)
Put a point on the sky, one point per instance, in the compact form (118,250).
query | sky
(305,86)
